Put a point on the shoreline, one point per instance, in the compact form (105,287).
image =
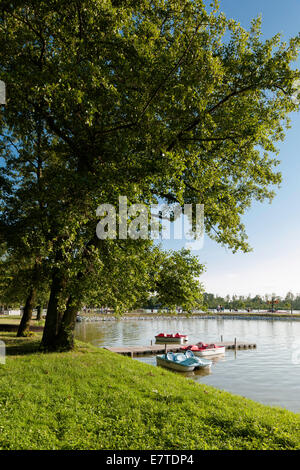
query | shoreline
(194,316)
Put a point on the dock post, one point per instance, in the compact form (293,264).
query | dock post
(165,348)
(235,344)
(221,338)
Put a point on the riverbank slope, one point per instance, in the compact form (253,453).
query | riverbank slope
(93,399)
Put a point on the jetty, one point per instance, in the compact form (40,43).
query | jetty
(133,351)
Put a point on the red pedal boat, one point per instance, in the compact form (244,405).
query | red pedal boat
(202,349)
(165,338)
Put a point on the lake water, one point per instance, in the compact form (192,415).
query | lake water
(269,374)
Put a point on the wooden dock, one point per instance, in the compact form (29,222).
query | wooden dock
(134,351)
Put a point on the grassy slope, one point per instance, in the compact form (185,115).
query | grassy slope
(10,320)
(15,320)
(94,399)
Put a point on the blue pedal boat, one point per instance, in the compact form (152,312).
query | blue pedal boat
(184,362)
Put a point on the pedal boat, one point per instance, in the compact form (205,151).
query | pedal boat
(202,349)
(183,362)
(165,338)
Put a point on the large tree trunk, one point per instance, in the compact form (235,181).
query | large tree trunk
(65,336)
(53,313)
(39,312)
(24,326)
(59,329)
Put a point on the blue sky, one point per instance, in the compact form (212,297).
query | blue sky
(273,229)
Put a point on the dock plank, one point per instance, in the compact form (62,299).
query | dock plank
(160,348)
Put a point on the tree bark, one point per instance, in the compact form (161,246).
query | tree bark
(59,328)
(39,312)
(65,336)
(24,326)
(53,314)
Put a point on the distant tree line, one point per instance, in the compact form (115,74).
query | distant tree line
(257,302)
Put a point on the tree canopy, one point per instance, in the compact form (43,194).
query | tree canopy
(152,99)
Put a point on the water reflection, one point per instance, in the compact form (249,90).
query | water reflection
(192,374)
(215,359)
(266,374)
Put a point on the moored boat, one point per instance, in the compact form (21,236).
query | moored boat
(167,338)
(201,363)
(202,349)
(181,362)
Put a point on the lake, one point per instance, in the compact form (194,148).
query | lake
(269,374)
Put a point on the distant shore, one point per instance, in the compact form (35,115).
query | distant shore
(10,323)
(143,315)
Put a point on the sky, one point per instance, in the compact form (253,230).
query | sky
(273,229)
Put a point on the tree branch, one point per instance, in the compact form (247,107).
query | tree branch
(176,66)
(191,126)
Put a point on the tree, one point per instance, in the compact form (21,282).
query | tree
(22,212)
(257,302)
(289,299)
(21,285)
(147,99)
(176,282)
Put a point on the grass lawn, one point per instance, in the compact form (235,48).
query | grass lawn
(10,319)
(15,320)
(93,399)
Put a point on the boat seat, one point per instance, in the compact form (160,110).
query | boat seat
(179,357)
(170,356)
(189,353)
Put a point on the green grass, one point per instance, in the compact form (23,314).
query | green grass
(15,320)
(94,399)
(12,320)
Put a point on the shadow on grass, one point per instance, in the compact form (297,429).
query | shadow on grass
(20,346)
(10,327)
(16,346)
